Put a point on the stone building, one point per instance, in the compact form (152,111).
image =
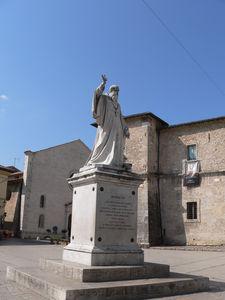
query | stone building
(46,194)
(182,198)
(193,214)
(4,175)
(12,205)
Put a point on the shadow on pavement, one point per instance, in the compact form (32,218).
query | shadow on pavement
(22,242)
(216,286)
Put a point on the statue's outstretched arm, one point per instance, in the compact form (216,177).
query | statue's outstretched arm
(95,103)
(100,89)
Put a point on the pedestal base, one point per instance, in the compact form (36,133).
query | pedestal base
(57,287)
(85,273)
(104,258)
(104,222)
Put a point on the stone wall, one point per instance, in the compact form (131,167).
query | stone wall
(12,206)
(208,228)
(45,174)
(142,151)
(153,183)
(136,151)
(3,187)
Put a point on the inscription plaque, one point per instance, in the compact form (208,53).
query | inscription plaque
(117,213)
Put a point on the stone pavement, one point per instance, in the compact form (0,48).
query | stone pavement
(209,264)
(21,253)
(218,248)
(27,253)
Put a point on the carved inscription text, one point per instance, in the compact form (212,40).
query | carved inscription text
(117,213)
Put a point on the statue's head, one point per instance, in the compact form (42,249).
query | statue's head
(114,91)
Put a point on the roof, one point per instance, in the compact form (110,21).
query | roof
(139,115)
(60,145)
(18,176)
(222,118)
(146,114)
(14,169)
(9,169)
(165,124)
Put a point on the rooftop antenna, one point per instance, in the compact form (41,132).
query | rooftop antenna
(15,160)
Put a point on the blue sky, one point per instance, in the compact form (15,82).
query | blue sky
(52,53)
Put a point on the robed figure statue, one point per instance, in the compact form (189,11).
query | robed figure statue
(112,130)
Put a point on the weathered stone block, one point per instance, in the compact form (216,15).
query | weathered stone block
(84,273)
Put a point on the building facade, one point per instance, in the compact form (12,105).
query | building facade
(194,213)
(46,193)
(182,198)
(13,203)
(5,172)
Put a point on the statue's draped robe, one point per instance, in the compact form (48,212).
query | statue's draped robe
(109,143)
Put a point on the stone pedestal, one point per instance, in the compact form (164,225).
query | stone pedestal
(104,218)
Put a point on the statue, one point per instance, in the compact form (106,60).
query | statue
(112,130)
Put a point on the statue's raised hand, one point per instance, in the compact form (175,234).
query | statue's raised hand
(104,79)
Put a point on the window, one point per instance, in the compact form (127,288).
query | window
(41,221)
(191,210)
(191,152)
(42,201)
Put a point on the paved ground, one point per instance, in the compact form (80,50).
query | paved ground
(22,253)
(210,264)
(218,248)
(26,253)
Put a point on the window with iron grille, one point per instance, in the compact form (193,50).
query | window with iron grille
(191,210)
(191,152)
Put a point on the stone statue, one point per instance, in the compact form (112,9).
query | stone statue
(112,130)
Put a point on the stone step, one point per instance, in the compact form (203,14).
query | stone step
(55,287)
(85,273)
